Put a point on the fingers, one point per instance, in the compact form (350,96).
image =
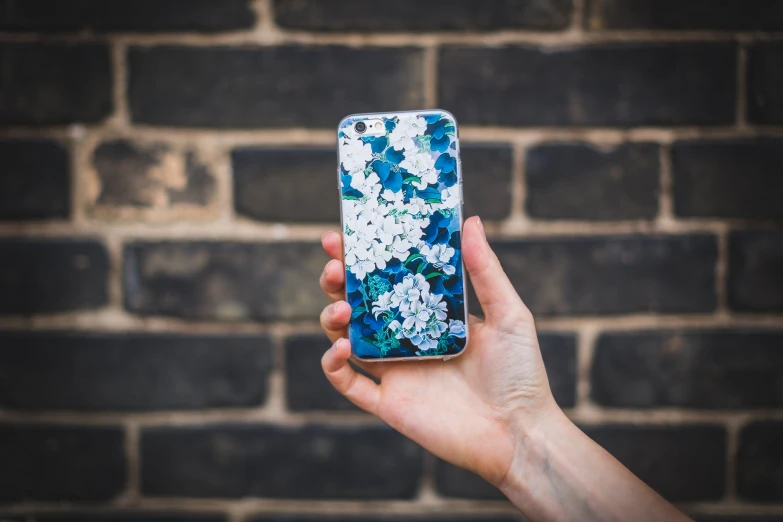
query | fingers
(334,320)
(333,245)
(495,292)
(333,280)
(357,388)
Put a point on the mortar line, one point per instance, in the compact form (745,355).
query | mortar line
(721,273)
(121,115)
(732,444)
(428,491)
(587,336)
(665,218)
(578,17)
(132,454)
(430,76)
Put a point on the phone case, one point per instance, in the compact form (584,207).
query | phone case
(401,205)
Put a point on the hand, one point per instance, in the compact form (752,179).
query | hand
(472,410)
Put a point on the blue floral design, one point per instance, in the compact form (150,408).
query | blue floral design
(402,218)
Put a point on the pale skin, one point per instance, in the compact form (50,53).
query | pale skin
(490,410)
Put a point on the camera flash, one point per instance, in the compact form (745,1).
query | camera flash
(378,125)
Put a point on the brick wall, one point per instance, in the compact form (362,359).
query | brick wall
(158,273)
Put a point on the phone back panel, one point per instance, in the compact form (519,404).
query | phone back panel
(401,201)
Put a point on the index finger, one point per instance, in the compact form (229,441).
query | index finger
(333,245)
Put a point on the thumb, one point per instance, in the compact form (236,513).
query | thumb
(497,295)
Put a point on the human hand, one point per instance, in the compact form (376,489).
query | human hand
(472,411)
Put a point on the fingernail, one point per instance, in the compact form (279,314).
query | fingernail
(330,309)
(326,270)
(481,227)
(338,303)
(336,345)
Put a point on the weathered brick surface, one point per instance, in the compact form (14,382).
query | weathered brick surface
(35,183)
(728,179)
(682,463)
(694,369)
(559,353)
(150,176)
(307,388)
(47,276)
(451,481)
(296,185)
(132,371)
(269,87)
(759,461)
(54,83)
(611,274)
(315,462)
(486,178)
(141,15)
(618,85)
(224,281)
(765,83)
(727,15)
(128,516)
(755,274)
(60,463)
(579,181)
(410,15)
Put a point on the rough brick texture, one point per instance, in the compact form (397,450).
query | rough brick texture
(601,85)
(168,167)
(60,463)
(759,460)
(141,15)
(693,369)
(35,182)
(685,463)
(765,83)
(612,275)
(728,179)
(45,276)
(234,461)
(297,185)
(579,181)
(410,15)
(756,271)
(224,281)
(282,87)
(726,15)
(132,372)
(150,176)
(54,83)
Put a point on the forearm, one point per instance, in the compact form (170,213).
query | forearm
(558,473)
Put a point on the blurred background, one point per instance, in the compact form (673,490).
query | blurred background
(168,168)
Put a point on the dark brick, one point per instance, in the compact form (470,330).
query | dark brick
(765,83)
(151,176)
(452,481)
(412,15)
(682,463)
(306,386)
(57,463)
(130,516)
(311,462)
(708,15)
(622,85)
(138,16)
(728,179)
(224,281)
(46,276)
(297,185)
(559,353)
(35,183)
(611,274)
(284,86)
(579,181)
(759,462)
(755,276)
(738,518)
(54,83)
(693,369)
(486,175)
(132,371)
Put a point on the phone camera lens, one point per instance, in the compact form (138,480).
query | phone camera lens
(360,127)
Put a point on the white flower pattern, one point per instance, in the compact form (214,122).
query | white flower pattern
(387,227)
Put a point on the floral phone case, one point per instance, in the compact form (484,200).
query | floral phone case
(401,201)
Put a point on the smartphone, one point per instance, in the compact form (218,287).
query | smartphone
(400,187)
